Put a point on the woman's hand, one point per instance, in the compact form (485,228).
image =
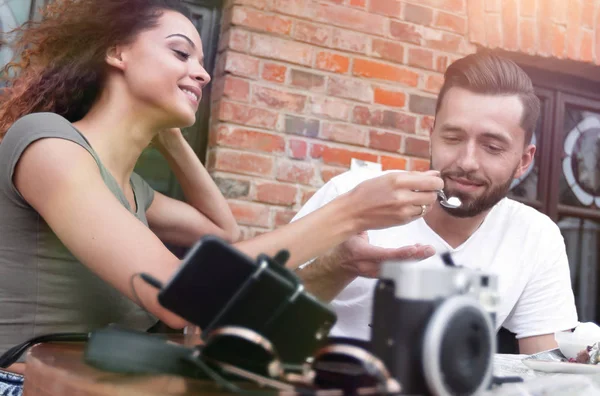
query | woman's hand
(165,139)
(394,199)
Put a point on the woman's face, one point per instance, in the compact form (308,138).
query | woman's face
(163,71)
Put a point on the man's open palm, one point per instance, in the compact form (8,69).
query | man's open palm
(359,256)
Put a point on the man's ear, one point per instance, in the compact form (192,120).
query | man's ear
(114,57)
(526,159)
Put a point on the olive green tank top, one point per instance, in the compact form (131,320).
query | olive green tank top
(43,287)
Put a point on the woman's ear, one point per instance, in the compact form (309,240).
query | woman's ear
(114,57)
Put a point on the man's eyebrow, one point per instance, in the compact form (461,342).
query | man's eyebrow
(452,128)
(183,36)
(497,136)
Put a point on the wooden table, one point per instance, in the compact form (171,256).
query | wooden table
(58,369)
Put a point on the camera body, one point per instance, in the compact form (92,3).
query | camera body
(433,327)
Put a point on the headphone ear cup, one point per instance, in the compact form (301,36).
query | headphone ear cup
(133,352)
(243,348)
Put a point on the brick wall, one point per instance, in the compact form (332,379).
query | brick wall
(303,86)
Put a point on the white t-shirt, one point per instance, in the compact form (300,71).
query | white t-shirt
(522,246)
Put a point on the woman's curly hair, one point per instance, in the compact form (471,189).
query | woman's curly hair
(60,60)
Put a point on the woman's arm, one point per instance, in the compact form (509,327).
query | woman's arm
(206,210)
(61,181)
(389,200)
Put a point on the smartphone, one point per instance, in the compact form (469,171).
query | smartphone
(216,286)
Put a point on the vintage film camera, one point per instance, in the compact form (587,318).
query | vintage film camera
(433,327)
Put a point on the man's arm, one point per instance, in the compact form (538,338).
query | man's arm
(535,344)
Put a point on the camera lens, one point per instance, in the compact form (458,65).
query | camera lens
(465,351)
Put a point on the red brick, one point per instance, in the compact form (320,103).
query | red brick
(416,147)
(388,50)
(597,30)
(350,89)
(347,40)
(420,57)
(389,8)
(441,63)
(456,6)
(434,83)
(417,14)
(447,42)
(316,150)
(573,30)
(242,65)
(510,27)
(330,108)
(249,139)
(276,99)
(259,4)
(298,149)
(419,164)
(343,133)
(527,29)
(312,33)
(559,10)
(389,98)
(332,62)
(587,46)
(382,140)
(388,163)
(299,8)
(238,39)
(545,32)
(358,3)
(283,217)
(247,213)
(493,31)
(328,172)
(527,8)
(276,194)
(343,157)
(246,115)
(236,88)
(306,80)
(351,18)
(493,6)
(426,125)
(285,50)
(453,23)
(475,13)
(382,71)
(274,72)
(558,41)
(242,162)
(307,194)
(587,13)
(405,32)
(384,119)
(295,172)
(260,21)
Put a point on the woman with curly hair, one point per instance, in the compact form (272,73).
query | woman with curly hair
(97,81)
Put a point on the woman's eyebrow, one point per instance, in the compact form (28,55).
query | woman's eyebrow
(185,37)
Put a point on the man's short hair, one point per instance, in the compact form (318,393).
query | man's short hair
(490,74)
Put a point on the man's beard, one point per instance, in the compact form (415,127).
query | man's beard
(471,207)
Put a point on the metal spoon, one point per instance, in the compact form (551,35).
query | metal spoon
(452,202)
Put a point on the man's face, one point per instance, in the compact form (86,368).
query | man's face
(478,146)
